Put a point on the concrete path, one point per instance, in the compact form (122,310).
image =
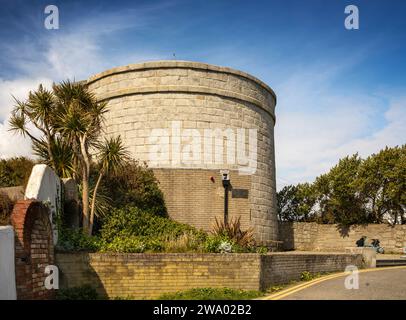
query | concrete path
(374,284)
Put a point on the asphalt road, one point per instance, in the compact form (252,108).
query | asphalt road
(373,285)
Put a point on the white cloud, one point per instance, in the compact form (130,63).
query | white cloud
(73,53)
(12,144)
(316,126)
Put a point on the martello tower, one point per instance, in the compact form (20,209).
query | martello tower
(189,121)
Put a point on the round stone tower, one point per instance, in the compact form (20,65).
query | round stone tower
(191,122)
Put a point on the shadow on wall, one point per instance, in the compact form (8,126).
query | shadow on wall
(343,230)
(75,270)
(287,235)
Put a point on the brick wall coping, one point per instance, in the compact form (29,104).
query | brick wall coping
(160,255)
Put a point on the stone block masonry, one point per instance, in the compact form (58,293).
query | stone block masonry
(331,237)
(150,275)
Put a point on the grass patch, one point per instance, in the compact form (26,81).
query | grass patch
(85,292)
(308,276)
(212,294)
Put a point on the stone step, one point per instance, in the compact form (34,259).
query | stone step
(390,262)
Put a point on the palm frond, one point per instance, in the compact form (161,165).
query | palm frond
(112,154)
(62,154)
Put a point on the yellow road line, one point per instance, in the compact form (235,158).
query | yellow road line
(289,291)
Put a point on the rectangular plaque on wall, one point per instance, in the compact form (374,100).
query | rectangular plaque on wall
(239,193)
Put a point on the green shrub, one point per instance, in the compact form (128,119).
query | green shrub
(307,276)
(128,245)
(233,231)
(211,294)
(123,298)
(85,292)
(213,243)
(76,240)
(187,242)
(6,207)
(15,171)
(132,221)
(261,250)
(136,186)
(222,243)
(132,229)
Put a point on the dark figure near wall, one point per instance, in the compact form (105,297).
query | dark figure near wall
(361,242)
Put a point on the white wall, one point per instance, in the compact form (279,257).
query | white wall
(7,267)
(44,185)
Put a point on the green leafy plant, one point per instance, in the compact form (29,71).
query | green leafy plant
(85,292)
(135,185)
(76,240)
(126,244)
(69,119)
(307,276)
(133,221)
(187,242)
(131,229)
(211,294)
(6,207)
(15,171)
(232,231)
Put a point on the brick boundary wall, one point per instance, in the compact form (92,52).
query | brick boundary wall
(281,268)
(33,249)
(150,275)
(330,237)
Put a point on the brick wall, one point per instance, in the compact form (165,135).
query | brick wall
(149,275)
(203,200)
(326,237)
(33,248)
(279,268)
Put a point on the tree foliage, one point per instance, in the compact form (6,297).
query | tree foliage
(135,185)
(15,171)
(355,191)
(69,121)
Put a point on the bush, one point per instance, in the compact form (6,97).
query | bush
(211,294)
(187,242)
(233,232)
(213,243)
(76,240)
(132,245)
(136,186)
(307,276)
(85,292)
(131,229)
(133,221)
(6,207)
(15,171)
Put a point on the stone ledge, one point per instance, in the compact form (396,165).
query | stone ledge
(169,64)
(185,89)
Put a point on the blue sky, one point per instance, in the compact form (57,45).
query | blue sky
(339,91)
